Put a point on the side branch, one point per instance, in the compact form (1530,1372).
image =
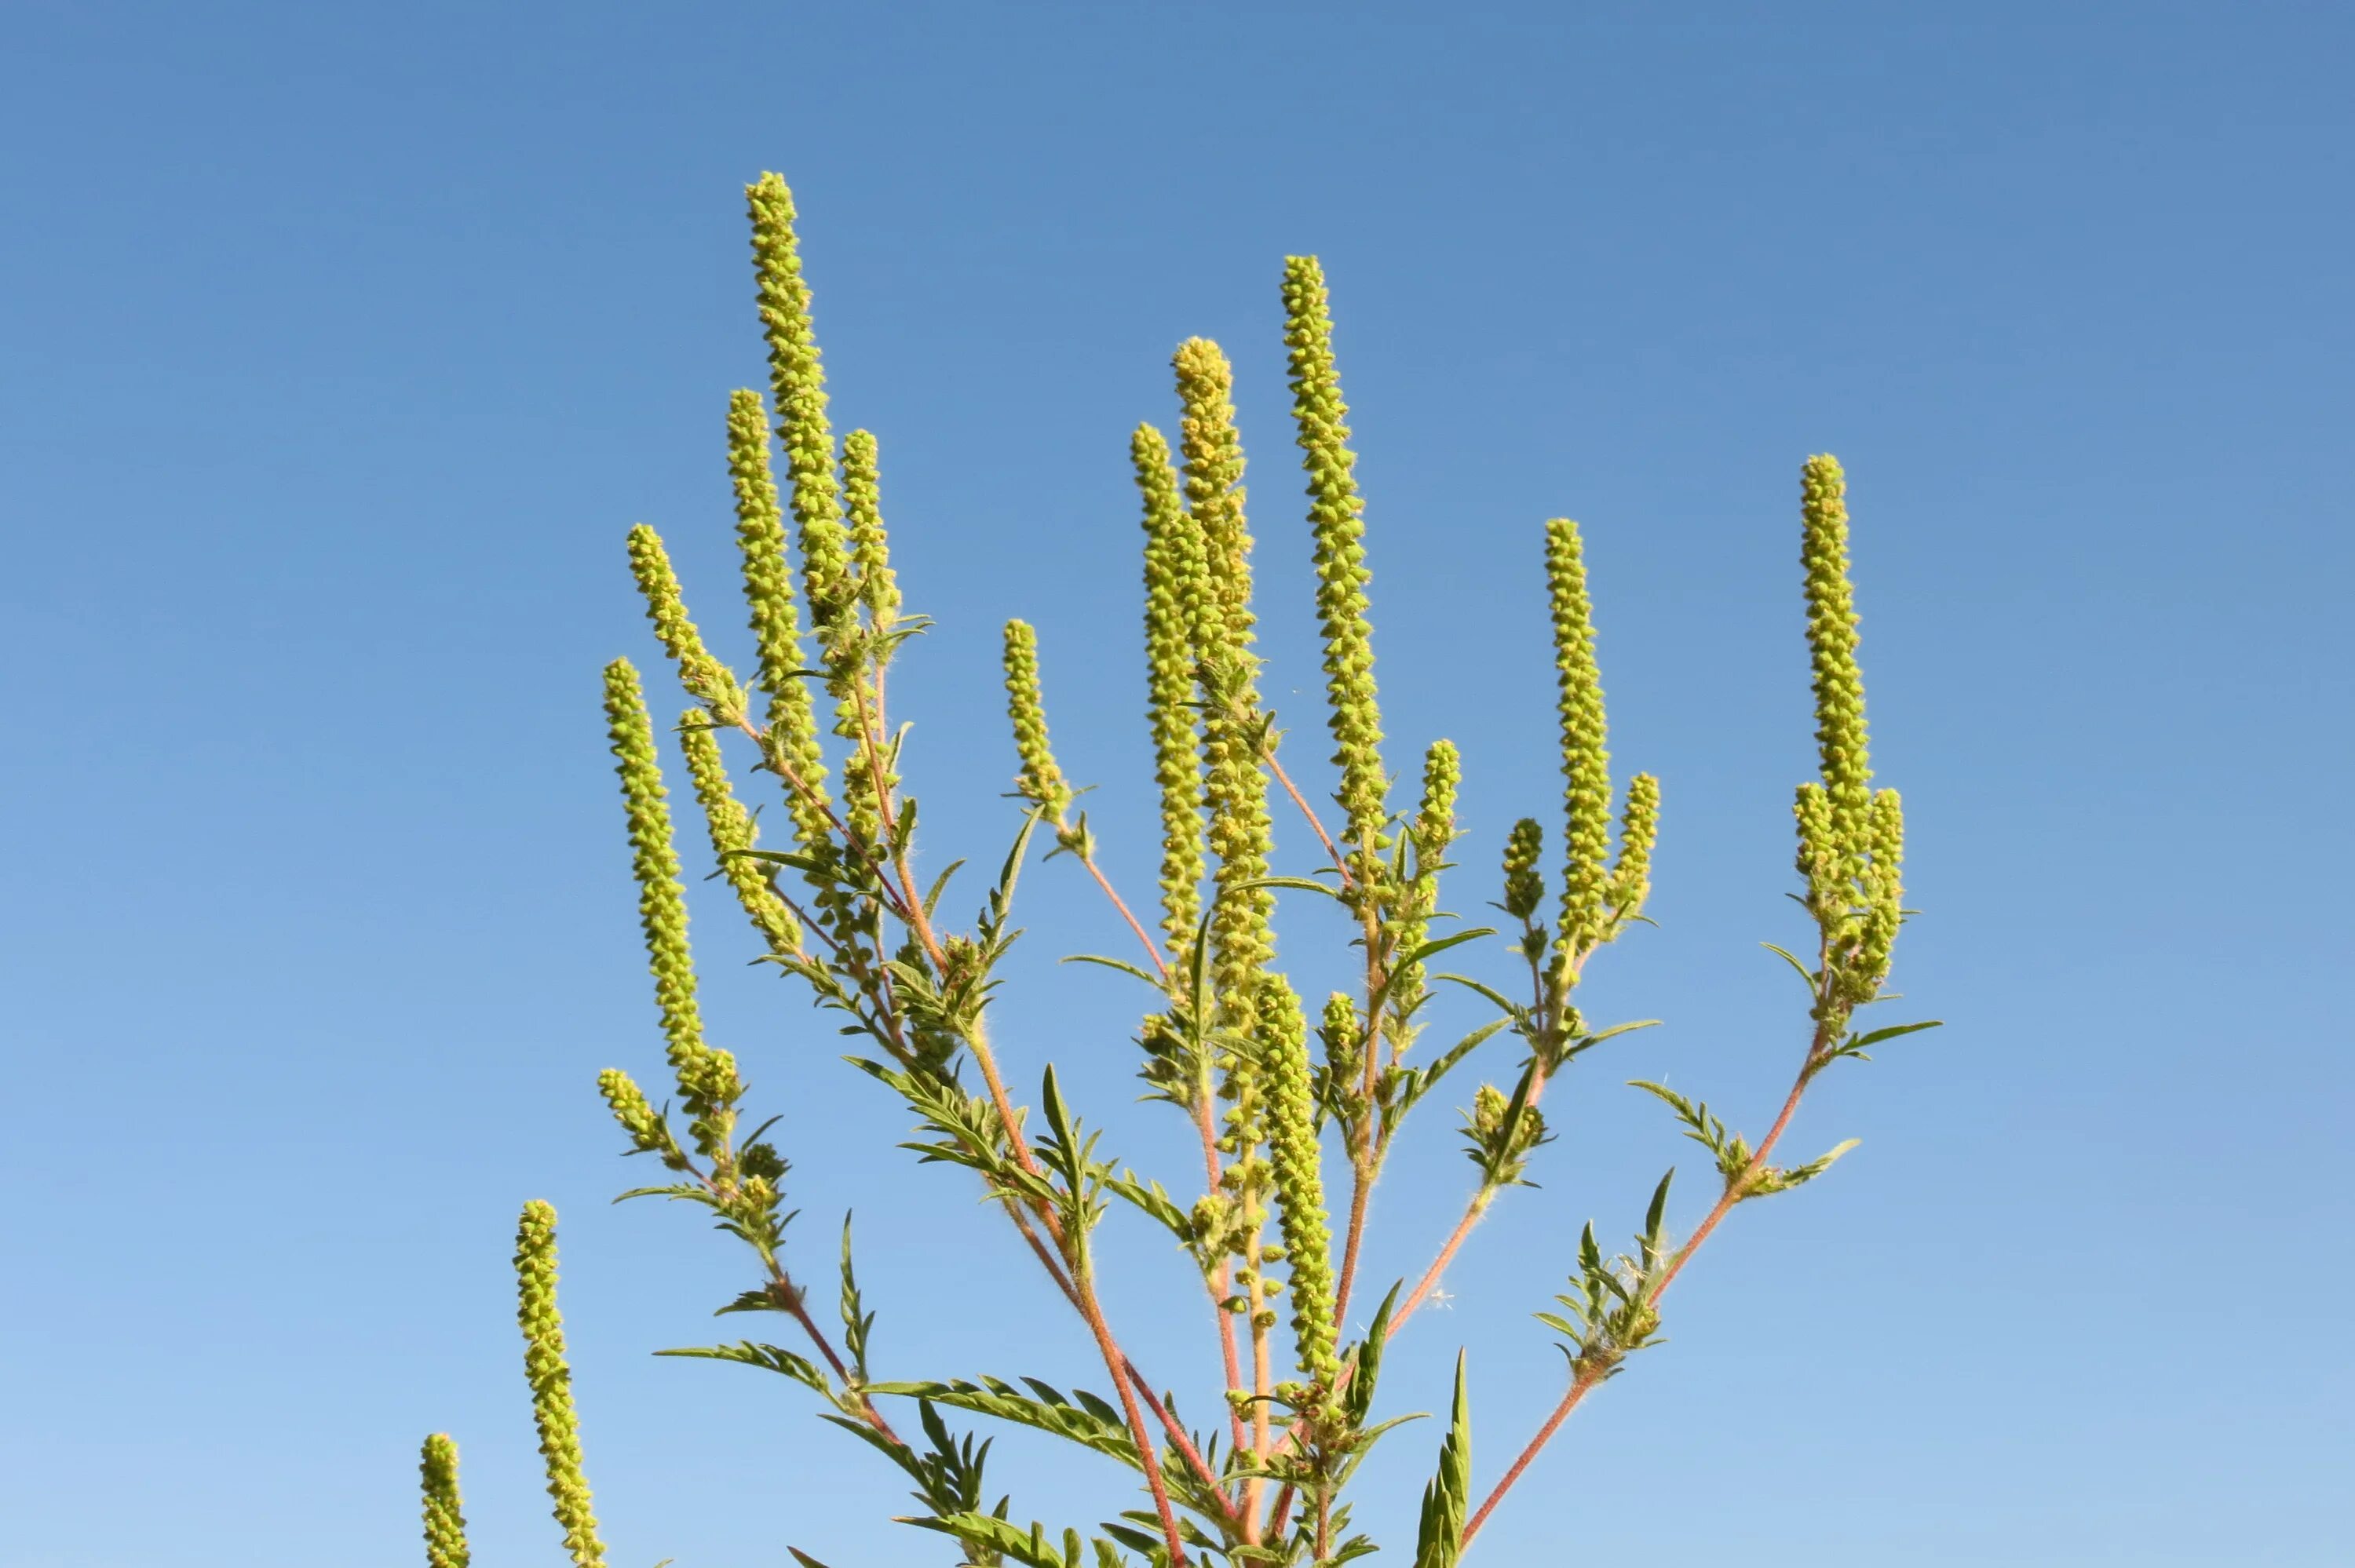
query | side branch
(1735,1191)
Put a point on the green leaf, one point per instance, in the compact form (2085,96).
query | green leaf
(1001,898)
(855,1321)
(1799,1175)
(1859,1042)
(1123,966)
(1152,1199)
(1454,939)
(1366,1369)
(989,1533)
(1676,1102)
(1421,1081)
(1487,991)
(939,885)
(1296,883)
(1616,1031)
(762,1301)
(1439,1541)
(781,857)
(1653,1218)
(1050,1411)
(1805,973)
(685,1191)
(768,1357)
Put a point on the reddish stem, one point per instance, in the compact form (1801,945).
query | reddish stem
(1431,1276)
(1152,948)
(1734,1190)
(1267,755)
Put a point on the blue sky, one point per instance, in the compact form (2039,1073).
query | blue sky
(344,344)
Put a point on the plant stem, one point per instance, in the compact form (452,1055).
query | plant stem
(1075,1284)
(1734,1190)
(1361,1192)
(1366,1159)
(1148,1453)
(776,763)
(1220,1284)
(1431,1276)
(1267,755)
(1152,947)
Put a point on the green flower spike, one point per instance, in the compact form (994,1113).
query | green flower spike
(1299,1180)
(1524,883)
(1840,738)
(868,781)
(1240,836)
(1851,838)
(1586,764)
(1336,514)
(1042,779)
(1885,895)
(1639,828)
(732,831)
(1433,831)
(798,387)
(707,1079)
(1819,851)
(1213,452)
(638,1117)
(707,680)
(551,1383)
(1344,1041)
(445,1526)
(871,548)
(1435,820)
(1173,571)
(776,622)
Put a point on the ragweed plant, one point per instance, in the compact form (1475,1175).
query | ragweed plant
(1269,1084)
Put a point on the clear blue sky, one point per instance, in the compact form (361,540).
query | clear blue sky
(342,343)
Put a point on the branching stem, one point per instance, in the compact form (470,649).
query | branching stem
(1735,1189)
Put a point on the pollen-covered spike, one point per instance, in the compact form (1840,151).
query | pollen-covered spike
(1819,859)
(1435,820)
(1840,737)
(1213,452)
(1524,881)
(1282,1035)
(869,783)
(732,831)
(1344,1036)
(1173,573)
(1240,835)
(445,1524)
(792,719)
(551,1384)
(707,680)
(1885,891)
(871,548)
(1639,825)
(1042,779)
(707,1079)
(760,538)
(797,381)
(1585,762)
(636,1115)
(1433,831)
(1336,516)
